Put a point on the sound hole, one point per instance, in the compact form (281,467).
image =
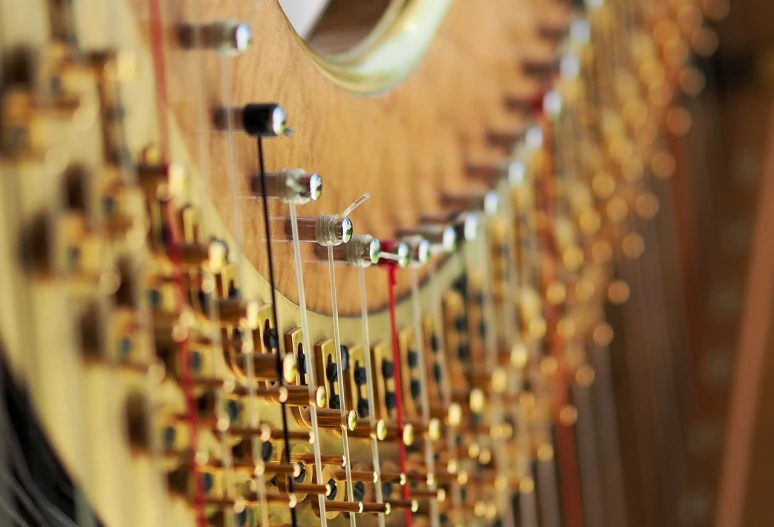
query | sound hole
(336,26)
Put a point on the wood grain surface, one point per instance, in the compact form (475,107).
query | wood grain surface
(403,147)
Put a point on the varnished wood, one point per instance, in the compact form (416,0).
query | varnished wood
(404,146)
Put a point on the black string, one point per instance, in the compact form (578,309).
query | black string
(275,337)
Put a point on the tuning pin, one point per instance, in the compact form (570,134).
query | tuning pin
(290,186)
(419,249)
(302,482)
(158,179)
(409,505)
(525,104)
(398,478)
(257,120)
(465,224)
(486,202)
(450,416)
(504,138)
(308,458)
(362,250)
(394,253)
(333,419)
(533,139)
(325,229)
(197,254)
(363,430)
(291,395)
(428,494)
(430,429)
(229,37)
(265,366)
(442,238)
(341,506)
(357,475)
(287,500)
(377,508)
(233,311)
(542,68)
(552,104)
(307,437)
(389,432)
(293,470)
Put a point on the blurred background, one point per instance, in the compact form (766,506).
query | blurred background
(691,396)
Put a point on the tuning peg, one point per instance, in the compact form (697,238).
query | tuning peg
(197,254)
(158,179)
(265,366)
(257,120)
(304,436)
(430,429)
(363,430)
(357,475)
(410,505)
(428,494)
(394,252)
(290,186)
(389,432)
(325,229)
(526,104)
(291,395)
(419,249)
(504,138)
(308,458)
(465,224)
(377,508)
(333,419)
(340,506)
(362,250)
(485,202)
(229,37)
(442,238)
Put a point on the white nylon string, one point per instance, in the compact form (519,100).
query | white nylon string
(254,420)
(609,462)
(355,204)
(527,502)
(310,375)
(202,136)
(340,372)
(428,444)
(370,390)
(480,247)
(451,444)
